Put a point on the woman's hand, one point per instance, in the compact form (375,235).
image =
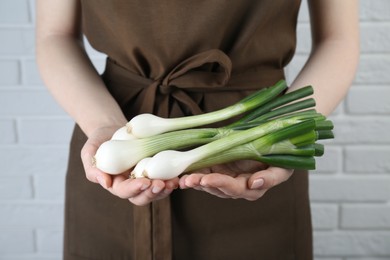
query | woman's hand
(138,191)
(238,180)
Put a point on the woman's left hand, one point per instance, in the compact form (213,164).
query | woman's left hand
(238,180)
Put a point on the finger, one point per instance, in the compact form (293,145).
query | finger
(233,187)
(87,153)
(142,199)
(154,192)
(105,180)
(215,192)
(126,188)
(269,178)
(193,180)
(172,183)
(94,175)
(182,181)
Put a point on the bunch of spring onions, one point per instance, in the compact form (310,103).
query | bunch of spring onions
(276,129)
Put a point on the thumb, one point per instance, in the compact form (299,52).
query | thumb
(92,173)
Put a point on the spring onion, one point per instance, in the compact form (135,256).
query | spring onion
(283,142)
(272,148)
(122,134)
(138,171)
(169,163)
(117,156)
(279,130)
(146,125)
(275,103)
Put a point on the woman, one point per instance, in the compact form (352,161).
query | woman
(175,58)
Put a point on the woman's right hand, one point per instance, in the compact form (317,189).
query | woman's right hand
(140,191)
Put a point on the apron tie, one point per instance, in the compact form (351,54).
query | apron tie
(185,77)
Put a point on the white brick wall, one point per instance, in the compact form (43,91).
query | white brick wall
(350,191)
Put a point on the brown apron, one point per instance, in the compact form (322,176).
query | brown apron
(175,58)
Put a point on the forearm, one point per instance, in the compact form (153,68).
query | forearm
(73,81)
(330,70)
(331,66)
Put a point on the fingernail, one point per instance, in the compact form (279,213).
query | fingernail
(257,183)
(101,181)
(156,189)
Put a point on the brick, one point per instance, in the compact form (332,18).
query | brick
(49,241)
(15,187)
(374,37)
(33,161)
(48,187)
(352,243)
(367,159)
(7,131)
(324,216)
(31,214)
(28,103)
(16,241)
(14,11)
(373,69)
(31,74)
(331,161)
(9,72)
(378,10)
(45,131)
(365,216)
(17,41)
(349,188)
(368,100)
(356,130)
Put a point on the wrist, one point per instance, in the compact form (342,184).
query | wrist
(108,122)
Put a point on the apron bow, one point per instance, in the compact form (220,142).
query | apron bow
(186,77)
